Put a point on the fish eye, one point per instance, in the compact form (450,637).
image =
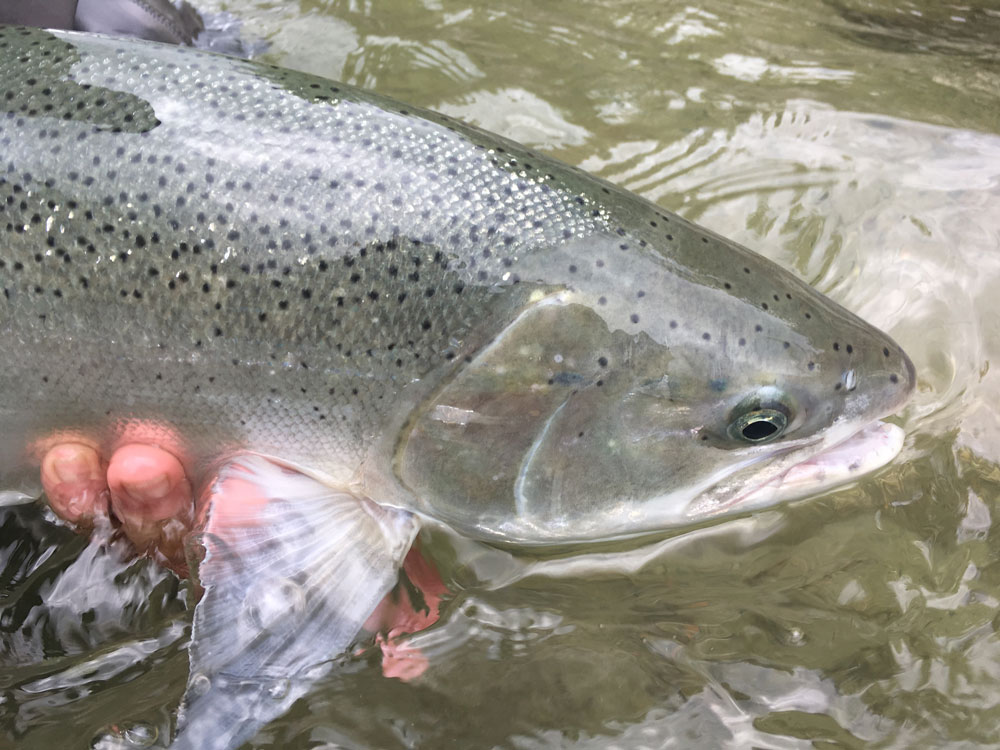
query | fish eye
(759,419)
(759,426)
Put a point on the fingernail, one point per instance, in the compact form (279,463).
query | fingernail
(74,464)
(151,489)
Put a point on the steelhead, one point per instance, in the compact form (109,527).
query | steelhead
(411,319)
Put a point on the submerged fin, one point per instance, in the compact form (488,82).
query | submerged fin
(15,497)
(291,570)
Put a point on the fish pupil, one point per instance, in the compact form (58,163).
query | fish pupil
(759,423)
(759,430)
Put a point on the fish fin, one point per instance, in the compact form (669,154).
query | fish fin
(291,570)
(20,480)
(15,497)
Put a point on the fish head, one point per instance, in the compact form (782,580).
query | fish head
(639,389)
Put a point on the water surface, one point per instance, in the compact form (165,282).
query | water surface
(854,141)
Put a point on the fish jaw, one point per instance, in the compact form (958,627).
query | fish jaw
(860,454)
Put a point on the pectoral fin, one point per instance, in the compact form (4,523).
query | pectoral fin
(291,570)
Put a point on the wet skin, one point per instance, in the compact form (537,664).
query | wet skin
(145,488)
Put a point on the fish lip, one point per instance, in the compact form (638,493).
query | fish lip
(776,489)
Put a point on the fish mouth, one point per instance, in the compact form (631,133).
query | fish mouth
(860,453)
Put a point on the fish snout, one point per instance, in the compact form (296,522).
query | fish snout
(883,381)
(902,377)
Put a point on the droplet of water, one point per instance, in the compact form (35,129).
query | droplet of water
(274,605)
(279,689)
(199,685)
(126,736)
(140,734)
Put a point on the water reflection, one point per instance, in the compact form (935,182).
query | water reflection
(923,26)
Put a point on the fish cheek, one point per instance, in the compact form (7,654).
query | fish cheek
(611,458)
(466,447)
(599,458)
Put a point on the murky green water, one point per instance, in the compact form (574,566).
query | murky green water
(856,141)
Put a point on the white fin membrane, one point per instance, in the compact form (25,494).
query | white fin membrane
(9,498)
(292,568)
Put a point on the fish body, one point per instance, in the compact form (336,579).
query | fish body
(436,322)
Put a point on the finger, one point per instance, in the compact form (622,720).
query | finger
(401,660)
(150,496)
(74,481)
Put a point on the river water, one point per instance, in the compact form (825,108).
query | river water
(854,141)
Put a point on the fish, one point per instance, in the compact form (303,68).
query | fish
(378,318)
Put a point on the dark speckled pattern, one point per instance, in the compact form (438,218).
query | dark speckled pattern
(262,259)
